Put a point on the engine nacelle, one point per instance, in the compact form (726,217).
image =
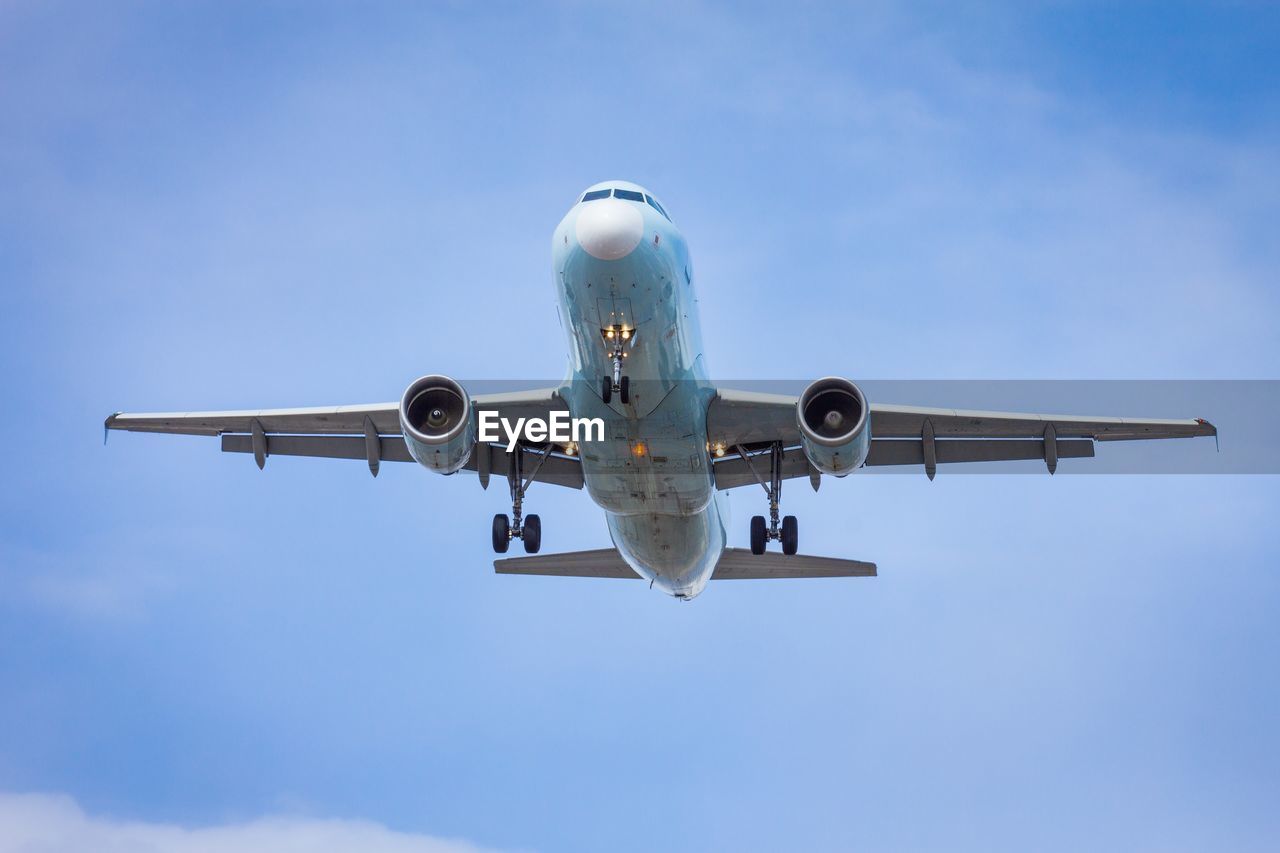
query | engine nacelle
(438,423)
(835,425)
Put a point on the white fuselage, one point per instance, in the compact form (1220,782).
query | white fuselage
(622,269)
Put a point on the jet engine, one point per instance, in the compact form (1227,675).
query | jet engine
(835,425)
(438,423)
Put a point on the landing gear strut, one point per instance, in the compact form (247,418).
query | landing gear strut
(615,338)
(788,533)
(527,529)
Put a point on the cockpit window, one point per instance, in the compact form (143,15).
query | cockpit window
(628,195)
(654,204)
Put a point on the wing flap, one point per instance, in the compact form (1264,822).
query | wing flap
(731,472)
(892,421)
(321,446)
(556,471)
(906,452)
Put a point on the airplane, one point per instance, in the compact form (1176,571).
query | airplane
(671,442)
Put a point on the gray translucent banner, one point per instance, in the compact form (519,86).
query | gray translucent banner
(1245,413)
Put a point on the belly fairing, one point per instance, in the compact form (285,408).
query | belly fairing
(655,464)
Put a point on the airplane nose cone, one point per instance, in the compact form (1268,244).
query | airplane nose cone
(610,228)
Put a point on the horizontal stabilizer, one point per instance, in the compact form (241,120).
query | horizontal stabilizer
(735,563)
(740,563)
(599,563)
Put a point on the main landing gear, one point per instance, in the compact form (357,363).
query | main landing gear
(527,529)
(788,533)
(615,338)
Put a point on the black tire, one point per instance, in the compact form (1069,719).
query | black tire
(501,533)
(624,391)
(532,534)
(790,534)
(606,390)
(757,534)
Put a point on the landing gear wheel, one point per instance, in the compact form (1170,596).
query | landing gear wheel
(758,535)
(606,390)
(501,533)
(624,390)
(790,534)
(532,534)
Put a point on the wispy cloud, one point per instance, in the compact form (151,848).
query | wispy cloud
(52,823)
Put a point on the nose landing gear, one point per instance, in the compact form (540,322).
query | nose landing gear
(616,338)
(527,529)
(788,533)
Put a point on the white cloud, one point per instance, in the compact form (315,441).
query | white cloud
(48,823)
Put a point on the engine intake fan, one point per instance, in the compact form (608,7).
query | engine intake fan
(835,425)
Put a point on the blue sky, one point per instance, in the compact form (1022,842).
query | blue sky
(227,205)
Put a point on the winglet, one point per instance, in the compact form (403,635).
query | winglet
(106,426)
(1212,430)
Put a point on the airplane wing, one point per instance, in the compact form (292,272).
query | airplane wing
(914,435)
(369,432)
